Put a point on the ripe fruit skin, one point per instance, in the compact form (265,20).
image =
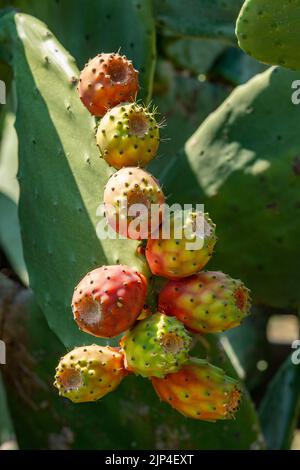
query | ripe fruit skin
(172,258)
(207,302)
(128,135)
(127,187)
(108,300)
(200,391)
(89,372)
(106,81)
(156,346)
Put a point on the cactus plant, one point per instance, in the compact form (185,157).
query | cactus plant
(223,159)
(62,183)
(144,423)
(73,23)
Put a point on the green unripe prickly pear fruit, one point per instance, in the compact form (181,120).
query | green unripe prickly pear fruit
(157,346)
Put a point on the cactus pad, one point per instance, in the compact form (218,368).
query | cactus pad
(269,31)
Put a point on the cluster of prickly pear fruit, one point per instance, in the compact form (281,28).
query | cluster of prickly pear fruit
(110,300)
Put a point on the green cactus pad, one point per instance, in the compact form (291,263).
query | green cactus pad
(106,26)
(61,176)
(269,31)
(157,346)
(200,18)
(243,163)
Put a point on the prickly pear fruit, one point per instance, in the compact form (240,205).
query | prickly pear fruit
(200,391)
(269,31)
(106,81)
(207,302)
(156,346)
(133,203)
(89,372)
(108,300)
(128,135)
(185,252)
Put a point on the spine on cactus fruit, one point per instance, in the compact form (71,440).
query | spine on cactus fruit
(201,391)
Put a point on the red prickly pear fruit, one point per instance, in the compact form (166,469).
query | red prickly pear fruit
(106,81)
(207,302)
(89,372)
(173,257)
(156,346)
(128,135)
(108,300)
(200,391)
(134,203)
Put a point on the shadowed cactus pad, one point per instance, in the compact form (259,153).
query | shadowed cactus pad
(208,302)
(156,346)
(128,135)
(125,191)
(106,81)
(172,257)
(200,391)
(108,300)
(269,31)
(89,372)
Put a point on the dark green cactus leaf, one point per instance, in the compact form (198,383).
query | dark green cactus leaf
(196,55)
(236,67)
(134,409)
(243,163)
(204,18)
(7,433)
(88,28)
(183,103)
(280,408)
(61,175)
(269,31)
